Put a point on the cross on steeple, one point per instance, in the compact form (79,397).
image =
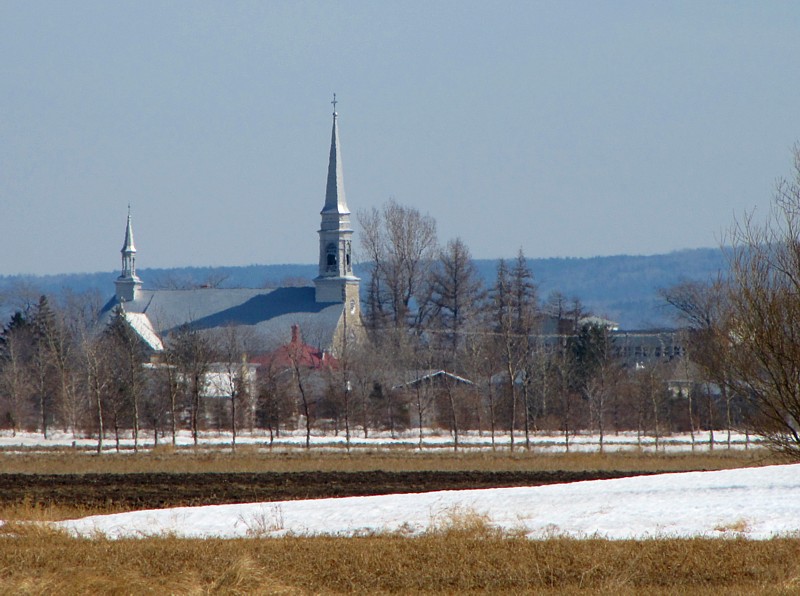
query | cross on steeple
(334,102)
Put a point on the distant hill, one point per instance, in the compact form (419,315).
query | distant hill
(622,288)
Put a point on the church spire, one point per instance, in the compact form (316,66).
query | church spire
(128,283)
(334,193)
(335,233)
(128,250)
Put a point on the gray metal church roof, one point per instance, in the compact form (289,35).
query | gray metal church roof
(267,314)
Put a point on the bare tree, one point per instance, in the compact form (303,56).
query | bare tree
(513,315)
(478,366)
(703,308)
(232,348)
(563,371)
(97,368)
(86,356)
(62,345)
(453,401)
(340,377)
(418,361)
(300,373)
(192,353)
(172,385)
(366,368)
(647,395)
(400,245)
(764,315)
(129,354)
(273,406)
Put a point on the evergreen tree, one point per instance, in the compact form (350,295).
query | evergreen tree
(514,317)
(502,321)
(595,372)
(456,295)
(43,329)
(16,380)
(524,297)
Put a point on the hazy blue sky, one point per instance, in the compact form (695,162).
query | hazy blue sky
(564,128)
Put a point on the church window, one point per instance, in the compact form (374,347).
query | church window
(347,257)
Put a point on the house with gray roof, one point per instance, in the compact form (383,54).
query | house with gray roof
(329,312)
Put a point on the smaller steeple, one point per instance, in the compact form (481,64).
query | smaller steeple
(128,283)
(128,250)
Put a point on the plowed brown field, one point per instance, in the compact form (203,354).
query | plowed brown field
(152,491)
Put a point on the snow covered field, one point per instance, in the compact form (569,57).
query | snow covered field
(756,503)
(432,440)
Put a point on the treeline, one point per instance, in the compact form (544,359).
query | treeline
(515,361)
(439,348)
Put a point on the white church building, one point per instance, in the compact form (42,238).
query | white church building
(326,312)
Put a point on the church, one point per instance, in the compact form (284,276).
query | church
(327,313)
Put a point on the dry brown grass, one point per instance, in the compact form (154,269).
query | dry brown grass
(461,554)
(249,459)
(28,511)
(464,557)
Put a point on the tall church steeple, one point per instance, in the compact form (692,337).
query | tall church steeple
(128,283)
(335,280)
(334,192)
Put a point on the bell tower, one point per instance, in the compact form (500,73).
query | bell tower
(128,283)
(335,281)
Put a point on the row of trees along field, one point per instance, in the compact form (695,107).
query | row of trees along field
(531,364)
(442,350)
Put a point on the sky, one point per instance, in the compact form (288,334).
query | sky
(754,503)
(563,128)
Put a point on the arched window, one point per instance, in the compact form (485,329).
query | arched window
(330,251)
